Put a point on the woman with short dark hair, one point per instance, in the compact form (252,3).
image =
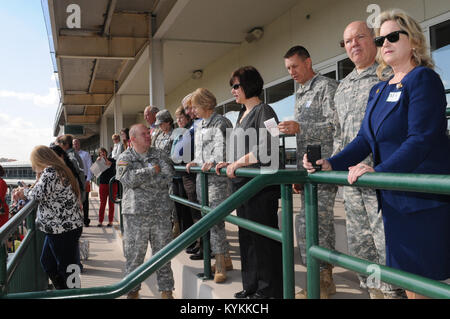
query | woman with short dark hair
(262,274)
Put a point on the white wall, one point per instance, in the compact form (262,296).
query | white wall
(320,34)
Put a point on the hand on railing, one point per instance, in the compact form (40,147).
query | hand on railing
(189,165)
(231,168)
(207,166)
(358,170)
(220,166)
(297,188)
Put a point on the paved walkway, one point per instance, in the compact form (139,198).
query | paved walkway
(105,264)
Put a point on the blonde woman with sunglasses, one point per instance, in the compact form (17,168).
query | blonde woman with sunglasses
(405,130)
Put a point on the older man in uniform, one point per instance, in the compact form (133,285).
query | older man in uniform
(365,231)
(146,173)
(150,118)
(315,123)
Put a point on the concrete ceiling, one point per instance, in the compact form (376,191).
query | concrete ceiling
(110,50)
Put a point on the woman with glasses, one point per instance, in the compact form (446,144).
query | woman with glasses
(405,130)
(262,275)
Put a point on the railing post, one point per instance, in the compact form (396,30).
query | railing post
(3,270)
(312,239)
(287,242)
(206,244)
(31,227)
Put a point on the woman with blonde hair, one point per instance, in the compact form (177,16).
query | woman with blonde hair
(405,129)
(210,149)
(59,213)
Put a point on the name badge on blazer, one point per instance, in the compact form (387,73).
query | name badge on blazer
(394,96)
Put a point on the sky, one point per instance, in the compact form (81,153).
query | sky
(28,92)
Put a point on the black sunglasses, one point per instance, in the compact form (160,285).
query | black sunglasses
(236,86)
(392,37)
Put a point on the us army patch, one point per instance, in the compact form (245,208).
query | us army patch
(121,170)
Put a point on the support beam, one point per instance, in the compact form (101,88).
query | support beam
(109,15)
(87,99)
(99,47)
(82,119)
(118,114)
(156,72)
(170,19)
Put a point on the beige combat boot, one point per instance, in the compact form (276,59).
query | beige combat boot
(326,281)
(176,229)
(375,293)
(166,294)
(133,295)
(228,263)
(220,274)
(327,286)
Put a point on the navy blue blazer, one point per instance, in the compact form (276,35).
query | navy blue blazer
(409,136)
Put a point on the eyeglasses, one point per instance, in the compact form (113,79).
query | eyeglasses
(392,37)
(236,86)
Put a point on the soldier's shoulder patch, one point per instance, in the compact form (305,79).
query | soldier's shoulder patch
(122,163)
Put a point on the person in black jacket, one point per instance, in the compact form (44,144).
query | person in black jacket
(104,179)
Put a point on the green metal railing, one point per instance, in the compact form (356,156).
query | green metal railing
(23,272)
(407,182)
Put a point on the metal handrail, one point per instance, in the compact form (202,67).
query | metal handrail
(11,225)
(177,245)
(27,249)
(423,183)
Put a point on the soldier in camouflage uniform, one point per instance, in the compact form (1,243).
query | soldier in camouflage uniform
(365,230)
(146,174)
(163,138)
(315,123)
(210,149)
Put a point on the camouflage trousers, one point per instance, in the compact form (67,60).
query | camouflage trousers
(365,231)
(138,231)
(217,193)
(327,235)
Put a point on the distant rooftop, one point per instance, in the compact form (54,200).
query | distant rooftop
(16,164)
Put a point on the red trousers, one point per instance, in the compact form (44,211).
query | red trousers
(104,194)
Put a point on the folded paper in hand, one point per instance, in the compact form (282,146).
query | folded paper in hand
(99,167)
(272,127)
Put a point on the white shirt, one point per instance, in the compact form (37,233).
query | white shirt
(117,149)
(87,161)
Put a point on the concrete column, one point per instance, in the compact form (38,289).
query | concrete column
(157,94)
(104,131)
(118,114)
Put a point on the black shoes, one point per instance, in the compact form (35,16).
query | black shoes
(193,250)
(258,295)
(243,294)
(197,256)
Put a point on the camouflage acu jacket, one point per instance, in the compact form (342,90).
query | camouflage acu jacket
(210,143)
(351,101)
(316,114)
(145,191)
